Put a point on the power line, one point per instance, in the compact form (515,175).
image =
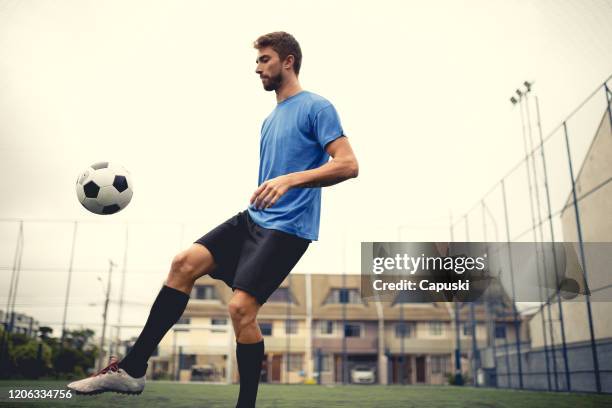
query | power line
(82,270)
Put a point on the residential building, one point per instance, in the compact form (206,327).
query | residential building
(318,327)
(20,323)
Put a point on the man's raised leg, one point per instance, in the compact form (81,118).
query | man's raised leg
(169,305)
(128,375)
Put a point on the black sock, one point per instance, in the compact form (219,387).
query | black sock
(166,310)
(249,358)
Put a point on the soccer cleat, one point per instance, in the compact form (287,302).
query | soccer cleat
(111,378)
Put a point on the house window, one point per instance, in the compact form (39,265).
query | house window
(295,361)
(186,361)
(439,364)
(500,331)
(323,363)
(403,330)
(184,320)
(467,329)
(352,330)
(344,295)
(435,328)
(291,326)
(326,327)
(204,292)
(281,295)
(218,321)
(266,329)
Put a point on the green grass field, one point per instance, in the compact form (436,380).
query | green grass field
(296,396)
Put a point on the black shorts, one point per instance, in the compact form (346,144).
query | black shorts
(252,258)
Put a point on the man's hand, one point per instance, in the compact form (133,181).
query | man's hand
(270,191)
(342,166)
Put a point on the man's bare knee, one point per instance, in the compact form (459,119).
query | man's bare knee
(243,309)
(191,264)
(240,310)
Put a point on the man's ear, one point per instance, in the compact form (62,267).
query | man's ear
(289,61)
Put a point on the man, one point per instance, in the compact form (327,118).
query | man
(254,251)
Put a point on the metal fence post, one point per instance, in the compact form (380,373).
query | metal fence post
(554,255)
(490,317)
(458,374)
(514,310)
(608,102)
(584,267)
(474,357)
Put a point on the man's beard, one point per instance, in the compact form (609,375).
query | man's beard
(273,83)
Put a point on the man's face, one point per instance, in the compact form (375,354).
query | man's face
(269,68)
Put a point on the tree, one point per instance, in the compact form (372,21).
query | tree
(79,339)
(45,332)
(32,359)
(78,354)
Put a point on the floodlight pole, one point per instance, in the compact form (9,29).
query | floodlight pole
(529,154)
(554,252)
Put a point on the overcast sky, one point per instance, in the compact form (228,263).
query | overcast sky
(168,90)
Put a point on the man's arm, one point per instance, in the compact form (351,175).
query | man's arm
(342,166)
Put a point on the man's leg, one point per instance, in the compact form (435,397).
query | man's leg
(243,310)
(169,305)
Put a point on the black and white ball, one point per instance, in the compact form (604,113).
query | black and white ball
(104,188)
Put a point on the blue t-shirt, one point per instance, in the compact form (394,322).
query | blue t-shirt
(293,138)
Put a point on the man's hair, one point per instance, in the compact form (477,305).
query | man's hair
(284,44)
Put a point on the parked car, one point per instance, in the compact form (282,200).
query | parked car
(363,375)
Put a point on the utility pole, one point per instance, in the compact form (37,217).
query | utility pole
(68,282)
(111,264)
(122,288)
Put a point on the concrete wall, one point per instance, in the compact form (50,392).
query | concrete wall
(596,224)
(580,364)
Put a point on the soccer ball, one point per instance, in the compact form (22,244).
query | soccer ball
(104,188)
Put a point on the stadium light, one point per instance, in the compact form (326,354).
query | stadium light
(519,93)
